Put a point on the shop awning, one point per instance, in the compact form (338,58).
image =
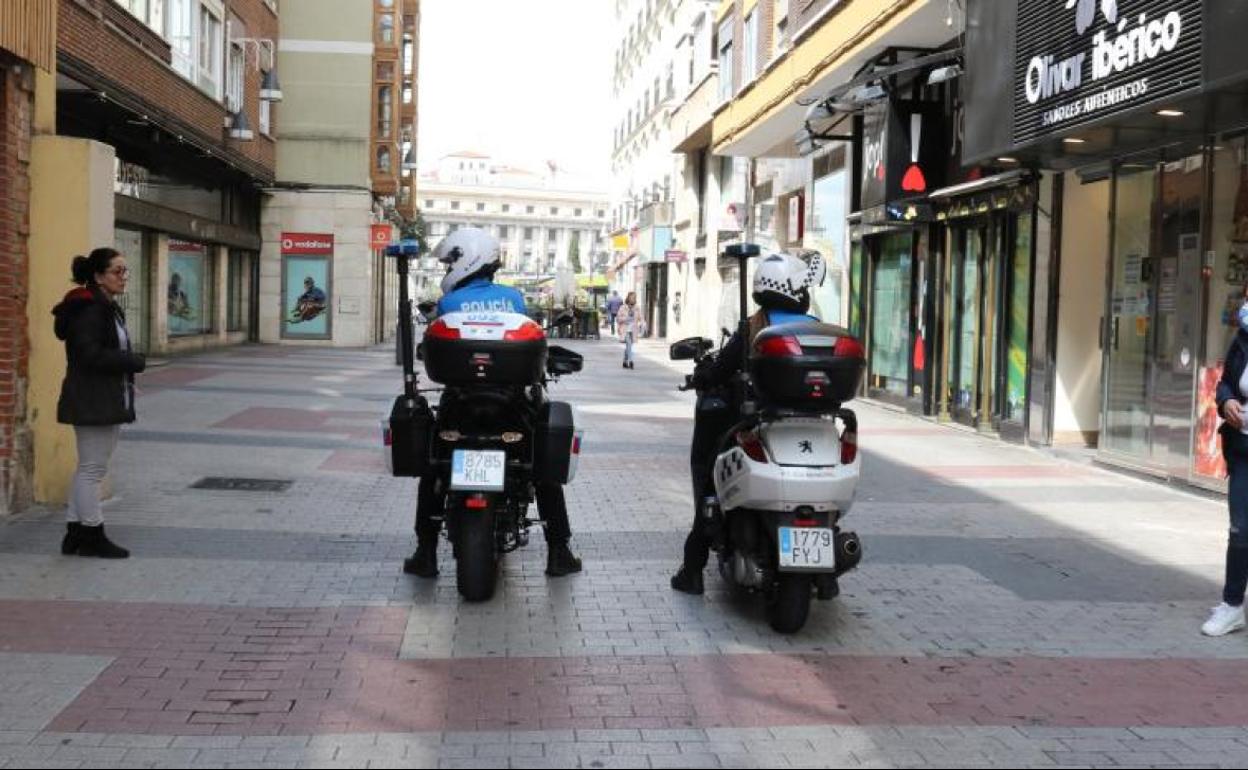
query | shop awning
(1003,179)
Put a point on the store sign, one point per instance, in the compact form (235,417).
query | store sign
(307,243)
(676,256)
(1080,60)
(381,235)
(130,179)
(903,151)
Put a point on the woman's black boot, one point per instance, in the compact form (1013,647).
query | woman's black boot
(73,538)
(95,543)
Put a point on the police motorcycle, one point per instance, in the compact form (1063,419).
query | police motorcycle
(494,434)
(785,473)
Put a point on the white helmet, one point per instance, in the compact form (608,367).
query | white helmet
(467,253)
(782,281)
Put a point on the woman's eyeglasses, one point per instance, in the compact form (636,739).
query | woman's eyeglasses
(122,272)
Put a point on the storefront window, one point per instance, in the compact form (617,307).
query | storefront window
(1019,321)
(134,301)
(238,291)
(825,233)
(190,287)
(890,316)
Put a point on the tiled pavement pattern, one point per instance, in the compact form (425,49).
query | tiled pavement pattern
(1011,610)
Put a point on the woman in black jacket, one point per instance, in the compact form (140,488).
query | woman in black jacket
(97,395)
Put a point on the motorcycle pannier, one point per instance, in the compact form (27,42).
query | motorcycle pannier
(808,366)
(557,446)
(484,348)
(407,434)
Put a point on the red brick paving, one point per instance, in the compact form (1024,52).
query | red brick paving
(356,461)
(229,670)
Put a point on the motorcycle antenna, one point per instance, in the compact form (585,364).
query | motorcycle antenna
(403,251)
(742,252)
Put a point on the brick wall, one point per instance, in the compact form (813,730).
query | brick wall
(16,105)
(131,63)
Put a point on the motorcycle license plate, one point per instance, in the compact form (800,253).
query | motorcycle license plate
(806,548)
(478,470)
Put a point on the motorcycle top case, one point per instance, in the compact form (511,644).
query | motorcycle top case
(485,348)
(807,366)
(557,447)
(407,434)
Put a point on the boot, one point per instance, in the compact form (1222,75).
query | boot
(73,538)
(687,581)
(560,561)
(95,542)
(424,563)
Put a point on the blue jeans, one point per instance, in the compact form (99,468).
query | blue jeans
(1237,539)
(628,347)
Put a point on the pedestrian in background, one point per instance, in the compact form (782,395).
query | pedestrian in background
(97,395)
(1232,395)
(613,307)
(629,320)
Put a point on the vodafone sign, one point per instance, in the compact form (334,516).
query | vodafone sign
(307,243)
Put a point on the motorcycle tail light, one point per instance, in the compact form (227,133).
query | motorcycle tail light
(849,347)
(849,448)
(529,331)
(778,347)
(476,503)
(513,437)
(439,330)
(450,436)
(752,445)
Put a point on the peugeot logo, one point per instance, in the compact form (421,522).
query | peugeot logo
(1086,12)
(806,448)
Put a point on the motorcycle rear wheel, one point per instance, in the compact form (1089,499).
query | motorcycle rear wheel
(476,557)
(788,605)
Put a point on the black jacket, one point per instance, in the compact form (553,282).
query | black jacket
(99,379)
(1233,441)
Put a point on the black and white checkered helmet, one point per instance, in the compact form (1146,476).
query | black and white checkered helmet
(783,281)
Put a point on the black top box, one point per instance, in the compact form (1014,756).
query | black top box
(807,366)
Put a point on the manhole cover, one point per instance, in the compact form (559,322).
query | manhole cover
(230,484)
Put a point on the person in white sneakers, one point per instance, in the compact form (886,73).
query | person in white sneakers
(1232,393)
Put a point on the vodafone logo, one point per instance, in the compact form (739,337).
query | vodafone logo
(307,243)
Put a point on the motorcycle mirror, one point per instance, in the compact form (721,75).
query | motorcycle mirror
(688,349)
(426,307)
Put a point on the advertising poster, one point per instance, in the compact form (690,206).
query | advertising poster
(307,285)
(1207,453)
(187,270)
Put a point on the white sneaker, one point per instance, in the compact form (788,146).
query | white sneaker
(1224,620)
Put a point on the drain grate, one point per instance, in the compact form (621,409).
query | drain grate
(231,484)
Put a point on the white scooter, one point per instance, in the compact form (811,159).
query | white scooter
(785,472)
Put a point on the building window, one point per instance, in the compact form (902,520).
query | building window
(576,212)
(528,209)
(480,207)
(385,111)
(506,207)
(266,117)
(180,32)
(150,12)
(749,48)
(528,233)
(384,159)
(236,78)
(552,235)
(724,55)
(386,3)
(428,203)
(385,28)
(385,71)
(454,205)
(503,232)
(782,24)
(208,60)
(554,211)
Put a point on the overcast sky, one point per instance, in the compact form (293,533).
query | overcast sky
(525,81)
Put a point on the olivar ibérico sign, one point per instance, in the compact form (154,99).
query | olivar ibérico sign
(307,243)
(1080,60)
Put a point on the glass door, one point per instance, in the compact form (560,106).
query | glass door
(1154,313)
(890,316)
(966,344)
(1128,381)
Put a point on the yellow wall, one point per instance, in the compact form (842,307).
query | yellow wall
(857,24)
(71,212)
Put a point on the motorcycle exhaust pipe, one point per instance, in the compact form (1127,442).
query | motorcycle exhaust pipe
(848,551)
